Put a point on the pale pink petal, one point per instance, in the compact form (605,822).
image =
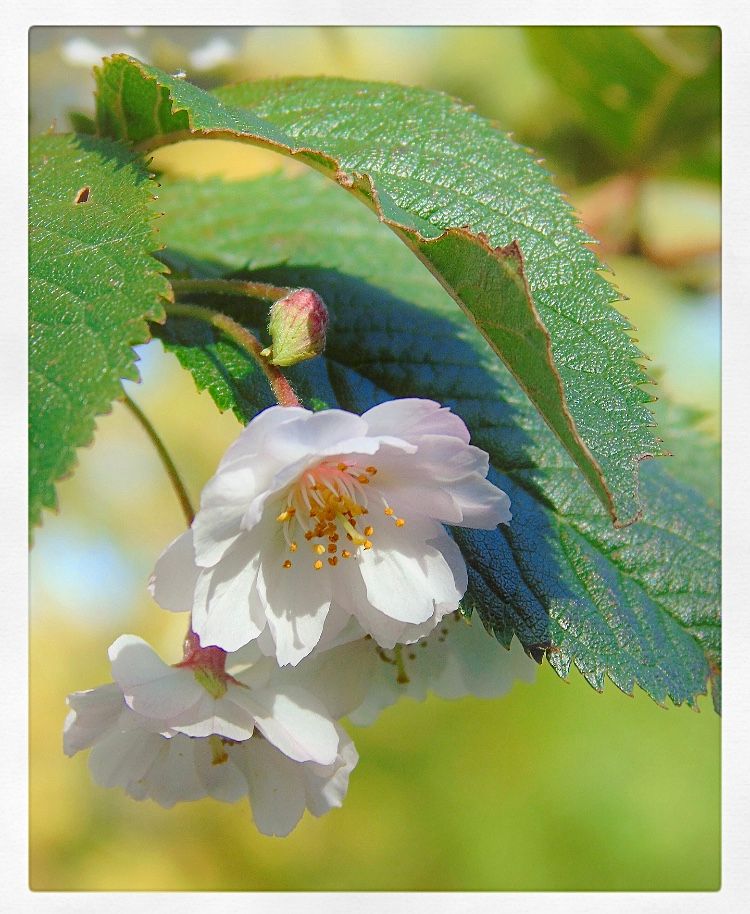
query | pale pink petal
(254,437)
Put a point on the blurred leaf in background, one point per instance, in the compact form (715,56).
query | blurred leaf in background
(553,787)
(633,97)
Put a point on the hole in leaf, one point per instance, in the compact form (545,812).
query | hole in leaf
(83,195)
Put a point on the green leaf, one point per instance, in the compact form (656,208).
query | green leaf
(640,605)
(479,212)
(695,458)
(642,92)
(92,284)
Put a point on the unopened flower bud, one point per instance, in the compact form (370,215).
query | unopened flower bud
(297,324)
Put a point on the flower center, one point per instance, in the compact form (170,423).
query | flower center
(328,504)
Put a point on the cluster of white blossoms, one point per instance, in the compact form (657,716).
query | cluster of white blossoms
(321,583)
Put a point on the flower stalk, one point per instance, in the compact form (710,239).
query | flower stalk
(167,462)
(282,389)
(262,290)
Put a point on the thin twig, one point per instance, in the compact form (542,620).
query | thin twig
(166,460)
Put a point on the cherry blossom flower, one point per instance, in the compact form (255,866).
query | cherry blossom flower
(456,659)
(312,518)
(179,733)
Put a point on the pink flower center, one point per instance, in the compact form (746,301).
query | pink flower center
(327,505)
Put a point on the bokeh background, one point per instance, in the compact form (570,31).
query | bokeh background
(551,787)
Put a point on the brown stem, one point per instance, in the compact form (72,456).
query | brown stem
(263,290)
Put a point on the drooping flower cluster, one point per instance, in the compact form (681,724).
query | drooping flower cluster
(321,583)
(172,733)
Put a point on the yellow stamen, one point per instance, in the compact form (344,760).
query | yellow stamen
(317,565)
(343,467)
(346,554)
(287,564)
(352,534)
(219,754)
(292,547)
(363,479)
(371,470)
(388,512)
(333,560)
(333,547)
(369,531)
(400,522)
(319,549)
(367,544)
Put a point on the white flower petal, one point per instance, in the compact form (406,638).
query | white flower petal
(175,574)
(351,594)
(173,778)
(149,686)
(311,433)
(458,658)
(415,500)
(406,577)
(222,781)
(420,417)
(223,502)
(448,459)
(123,757)
(275,787)
(338,677)
(92,713)
(296,629)
(227,609)
(294,721)
(483,506)
(326,788)
(224,724)
(341,627)
(254,437)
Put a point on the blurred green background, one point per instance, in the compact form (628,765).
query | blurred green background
(552,787)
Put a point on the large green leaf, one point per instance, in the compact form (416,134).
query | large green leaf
(472,205)
(640,605)
(92,283)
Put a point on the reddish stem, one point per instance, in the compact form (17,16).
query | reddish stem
(282,389)
(209,658)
